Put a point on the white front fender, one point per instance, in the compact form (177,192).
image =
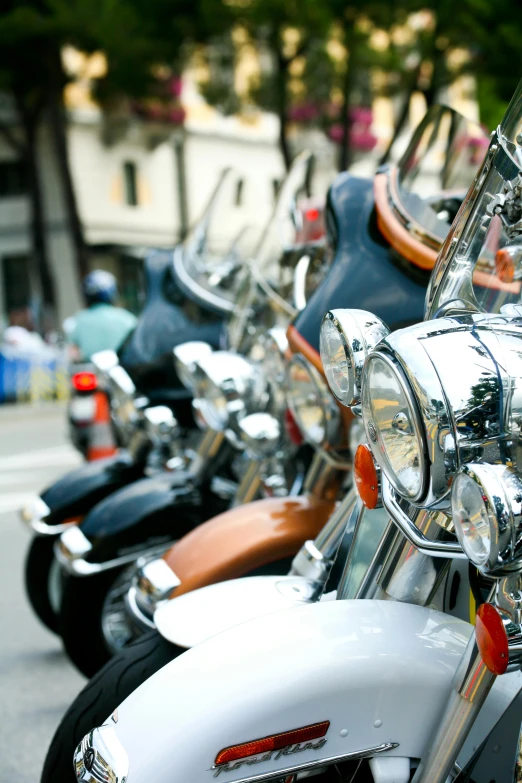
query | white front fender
(379,672)
(193,617)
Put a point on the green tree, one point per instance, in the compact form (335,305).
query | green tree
(135,36)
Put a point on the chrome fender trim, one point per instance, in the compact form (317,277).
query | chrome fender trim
(193,617)
(379,671)
(73,545)
(100,757)
(318,763)
(33,514)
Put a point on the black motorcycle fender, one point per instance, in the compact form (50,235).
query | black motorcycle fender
(82,488)
(152,510)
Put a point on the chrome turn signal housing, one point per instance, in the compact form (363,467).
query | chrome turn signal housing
(160,423)
(186,358)
(261,433)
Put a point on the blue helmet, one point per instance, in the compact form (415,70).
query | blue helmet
(100,286)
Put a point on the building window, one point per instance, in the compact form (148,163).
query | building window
(13,178)
(131,189)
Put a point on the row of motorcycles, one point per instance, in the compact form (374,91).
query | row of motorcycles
(305,558)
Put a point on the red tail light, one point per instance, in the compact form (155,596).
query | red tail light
(84,381)
(294,433)
(312,215)
(274,742)
(492,639)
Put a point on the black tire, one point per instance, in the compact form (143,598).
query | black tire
(80,621)
(38,569)
(100,697)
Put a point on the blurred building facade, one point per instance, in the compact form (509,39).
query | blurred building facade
(140,182)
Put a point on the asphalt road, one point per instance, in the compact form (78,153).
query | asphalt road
(37,683)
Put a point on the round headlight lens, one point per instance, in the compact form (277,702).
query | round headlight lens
(307,396)
(335,358)
(392,426)
(471,519)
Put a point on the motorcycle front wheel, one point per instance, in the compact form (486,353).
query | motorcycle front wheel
(101,696)
(93,622)
(43,581)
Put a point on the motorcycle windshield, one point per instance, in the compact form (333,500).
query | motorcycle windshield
(280,252)
(283,271)
(479,268)
(208,263)
(434,173)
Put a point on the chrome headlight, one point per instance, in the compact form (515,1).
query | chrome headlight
(347,337)
(441,394)
(186,358)
(228,387)
(486,504)
(311,404)
(393,425)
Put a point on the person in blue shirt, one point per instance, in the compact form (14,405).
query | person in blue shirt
(102,325)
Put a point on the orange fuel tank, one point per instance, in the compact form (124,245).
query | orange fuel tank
(243,539)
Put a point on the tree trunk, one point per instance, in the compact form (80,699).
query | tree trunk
(58,121)
(282,106)
(29,153)
(403,116)
(348,80)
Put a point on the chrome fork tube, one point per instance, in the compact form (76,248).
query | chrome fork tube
(328,539)
(319,476)
(249,485)
(409,575)
(471,685)
(207,450)
(315,558)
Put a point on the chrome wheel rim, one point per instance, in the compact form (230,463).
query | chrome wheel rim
(116,627)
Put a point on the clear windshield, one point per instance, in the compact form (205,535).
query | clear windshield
(216,248)
(283,272)
(279,251)
(435,172)
(480,265)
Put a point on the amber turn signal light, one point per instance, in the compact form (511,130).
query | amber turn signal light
(492,639)
(366,477)
(273,742)
(504,266)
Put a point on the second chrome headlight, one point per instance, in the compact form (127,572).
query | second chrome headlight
(311,404)
(228,387)
(393,425)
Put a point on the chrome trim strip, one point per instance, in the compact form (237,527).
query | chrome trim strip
(101,758)
(416,538)
(81,567)
(315,763)
(134,610)
(41,528)
(431,241)
(214,301)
